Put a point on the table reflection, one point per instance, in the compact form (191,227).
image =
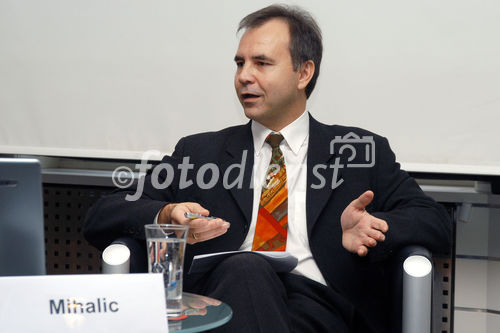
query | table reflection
(199,313)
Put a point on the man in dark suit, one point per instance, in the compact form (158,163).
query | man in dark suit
(342,219)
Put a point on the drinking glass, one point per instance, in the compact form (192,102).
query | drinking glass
(166,244)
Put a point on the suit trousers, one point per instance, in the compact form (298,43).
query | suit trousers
(265,301)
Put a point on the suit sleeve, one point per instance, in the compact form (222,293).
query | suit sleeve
(116,215)
(413,217)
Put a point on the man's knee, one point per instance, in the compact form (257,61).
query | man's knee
(244,265)
(243,272)
(254,291)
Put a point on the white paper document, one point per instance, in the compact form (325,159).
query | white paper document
(280,261)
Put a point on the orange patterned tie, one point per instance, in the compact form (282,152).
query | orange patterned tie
(272,220)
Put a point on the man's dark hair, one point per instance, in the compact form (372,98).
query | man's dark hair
(305,35)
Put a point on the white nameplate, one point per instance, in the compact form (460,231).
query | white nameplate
(83,303)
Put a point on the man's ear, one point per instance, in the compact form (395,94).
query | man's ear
(306,72)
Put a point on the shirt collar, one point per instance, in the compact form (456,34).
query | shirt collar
(294,134)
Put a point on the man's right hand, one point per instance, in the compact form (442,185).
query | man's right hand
(200,229)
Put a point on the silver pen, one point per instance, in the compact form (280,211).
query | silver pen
(194,216)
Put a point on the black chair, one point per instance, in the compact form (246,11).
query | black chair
(418,309)
(138,262)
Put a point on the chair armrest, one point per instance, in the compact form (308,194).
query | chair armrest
(417,291)
(115,259)
(415,250)
(412,295)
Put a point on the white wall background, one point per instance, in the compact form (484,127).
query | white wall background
(115,78)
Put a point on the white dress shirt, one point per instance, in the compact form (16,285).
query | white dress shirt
(294,148)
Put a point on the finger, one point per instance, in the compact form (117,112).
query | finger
(376,235)
(202,225)
(369,242)
(214,233)
(195,207)
(210,301)
(363,200)
(198,224)
(199,312)
(196,237)
(197,304)
(207,235)
(362,251)
(177,214)
(380,224)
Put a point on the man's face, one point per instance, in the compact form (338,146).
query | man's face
(265,81)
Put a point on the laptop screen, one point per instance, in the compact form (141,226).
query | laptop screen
(22,248)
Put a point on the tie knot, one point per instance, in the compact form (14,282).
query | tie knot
(274,139)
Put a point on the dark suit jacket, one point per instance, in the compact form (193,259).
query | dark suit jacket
(413,217)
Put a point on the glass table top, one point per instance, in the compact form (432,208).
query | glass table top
(200,313)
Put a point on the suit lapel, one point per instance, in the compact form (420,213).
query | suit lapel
(319,158)
(239,148)
(239,145)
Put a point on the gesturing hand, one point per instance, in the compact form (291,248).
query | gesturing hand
(360,230)
(200,229)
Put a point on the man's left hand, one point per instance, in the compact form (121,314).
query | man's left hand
(360,230)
